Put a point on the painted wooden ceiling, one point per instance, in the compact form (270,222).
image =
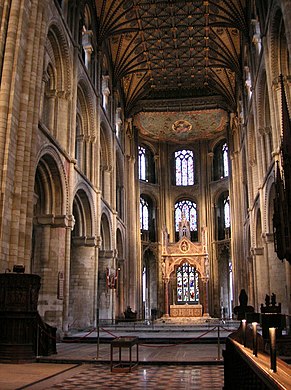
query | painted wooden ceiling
(168,52)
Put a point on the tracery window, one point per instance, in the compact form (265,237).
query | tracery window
(226,212)
(187,284)
(188,209)
(225,159)
(147,219)
(141,163)
(144,214)
(220,161)
(184,166)
(223,216)
(146,164)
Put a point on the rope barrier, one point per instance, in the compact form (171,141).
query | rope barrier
(188,341)
(65,341)
(80,338)
(228,330)
(107,331)
(182,343)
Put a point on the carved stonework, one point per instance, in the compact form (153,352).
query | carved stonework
(174,254)
(186,310)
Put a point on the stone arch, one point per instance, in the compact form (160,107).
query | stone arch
(269,204)
(49,234)
(82,262)
(56,87)
(258,228)
(193,261)
(59,56)
(214,143)
(82,212)
(149,234)
(265,136)
(106,164)
(221,231)
(56,174)
(278,44)
(50,191)
(119,176)
(106,231)
(85,129)
(85,107)
(120,243)
(106,144)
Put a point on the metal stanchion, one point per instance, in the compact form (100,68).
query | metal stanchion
(218,342)
(98,335)
(37,340)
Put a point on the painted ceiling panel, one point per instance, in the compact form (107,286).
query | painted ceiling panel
(181,126)
(174,49)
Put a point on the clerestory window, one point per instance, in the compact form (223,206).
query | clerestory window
(220,161)
(146,164)
(184,167)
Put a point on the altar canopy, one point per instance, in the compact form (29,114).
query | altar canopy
(185,269)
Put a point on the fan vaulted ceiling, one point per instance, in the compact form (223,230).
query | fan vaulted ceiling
(168,53)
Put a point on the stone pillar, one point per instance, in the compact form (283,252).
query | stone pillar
(66,293)
(166,282)
(205,281)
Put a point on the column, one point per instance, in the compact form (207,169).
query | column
(205,297)
(166,281)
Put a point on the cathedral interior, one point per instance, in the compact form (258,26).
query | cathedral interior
(145,156)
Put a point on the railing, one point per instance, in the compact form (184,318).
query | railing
(245,370)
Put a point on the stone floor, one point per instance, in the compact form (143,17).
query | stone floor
(171,377)
(183,360)
(87,366)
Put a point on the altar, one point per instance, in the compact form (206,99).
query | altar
(185,310)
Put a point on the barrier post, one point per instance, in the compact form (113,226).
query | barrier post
(218,342)
(98,335)
(37,340)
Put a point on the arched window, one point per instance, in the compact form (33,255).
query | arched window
(187,209)
(187,284)
(184,167)
(144,214)
(223,217)
(147,219)
(141,163)
(79,142)
(220,161)
(146,164)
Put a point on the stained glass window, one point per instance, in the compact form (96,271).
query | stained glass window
(184,162)
(189,210)
(141,163)
(225,159)
(226,210)
(187,284)
(146,164)
(144,214)
(223,216)
(220,161)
